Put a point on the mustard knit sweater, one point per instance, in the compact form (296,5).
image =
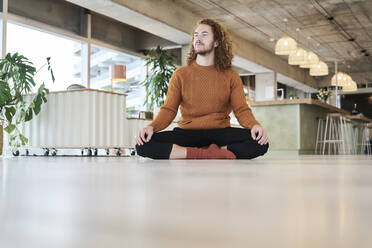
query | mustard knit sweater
(206,97)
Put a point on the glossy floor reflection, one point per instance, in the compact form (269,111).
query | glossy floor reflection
(305,201)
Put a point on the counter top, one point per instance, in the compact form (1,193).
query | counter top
(88,89)
(359,117)
(299,101)
(146,119)
(134,118)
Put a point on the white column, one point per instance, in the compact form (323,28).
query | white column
(3,27)
(336,71)
(184,52)
(85,55)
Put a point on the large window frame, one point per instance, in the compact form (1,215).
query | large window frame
(87,42)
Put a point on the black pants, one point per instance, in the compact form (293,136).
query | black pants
(238,140)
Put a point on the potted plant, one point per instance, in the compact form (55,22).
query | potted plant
(17,80)
(323,95)
(156,82)
(292,94)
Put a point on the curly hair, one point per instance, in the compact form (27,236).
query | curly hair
(223,52)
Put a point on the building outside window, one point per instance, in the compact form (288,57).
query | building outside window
(100,78)
(66,61)
(38,45)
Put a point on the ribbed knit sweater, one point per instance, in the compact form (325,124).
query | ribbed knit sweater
(206,98)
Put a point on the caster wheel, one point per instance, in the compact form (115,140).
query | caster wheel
(54,152)
(27,152)
(95,152)
(16,153)
(107,152)
(46,152)
(118,152)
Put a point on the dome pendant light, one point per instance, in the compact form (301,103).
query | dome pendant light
(285,45)
(298,57)
(311,60)
(320,69)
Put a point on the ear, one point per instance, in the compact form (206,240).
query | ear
(216,44)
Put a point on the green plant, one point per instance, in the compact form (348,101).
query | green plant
(323,94)
(292,94)
(246,94)
(17,80)
(156,82)
(131,112)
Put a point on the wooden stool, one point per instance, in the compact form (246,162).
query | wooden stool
(334,133)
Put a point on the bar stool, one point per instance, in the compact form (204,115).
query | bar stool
(319,135)
(362,137)
(348,131)
(337,132)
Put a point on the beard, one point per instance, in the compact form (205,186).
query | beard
(204,50)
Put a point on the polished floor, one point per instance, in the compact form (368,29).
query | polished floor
(288,201)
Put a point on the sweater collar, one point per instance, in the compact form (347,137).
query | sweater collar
(202,67)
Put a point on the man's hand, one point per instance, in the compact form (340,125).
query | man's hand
(262,134)
(149,130)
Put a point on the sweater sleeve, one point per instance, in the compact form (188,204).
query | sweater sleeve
(169,109)
(239,104)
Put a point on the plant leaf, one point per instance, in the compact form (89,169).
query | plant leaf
(28,115)
(24,140)
(10,128)
(9,113)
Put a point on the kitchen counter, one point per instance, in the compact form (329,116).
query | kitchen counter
(300,101)
(292,124)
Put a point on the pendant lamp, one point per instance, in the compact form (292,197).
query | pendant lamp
(320,69)
(350,86)
(298,57)
(118,74)
(340,79)
(311,60)
(285,45)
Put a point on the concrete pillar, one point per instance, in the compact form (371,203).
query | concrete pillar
(3,29)
(266,86)
(184,52)
(332,99)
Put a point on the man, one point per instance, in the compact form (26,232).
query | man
(207,89)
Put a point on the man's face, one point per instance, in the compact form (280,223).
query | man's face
(203,40)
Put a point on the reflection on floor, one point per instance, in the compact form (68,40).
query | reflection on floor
(298,201)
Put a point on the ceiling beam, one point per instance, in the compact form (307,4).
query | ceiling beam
(170,13)
(168,20)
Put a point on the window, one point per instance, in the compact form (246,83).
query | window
(103,58)
(37,46)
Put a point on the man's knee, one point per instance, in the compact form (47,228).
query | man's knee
(260,150)
(142,151)
(264,148)
(251,151)
(149,150)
